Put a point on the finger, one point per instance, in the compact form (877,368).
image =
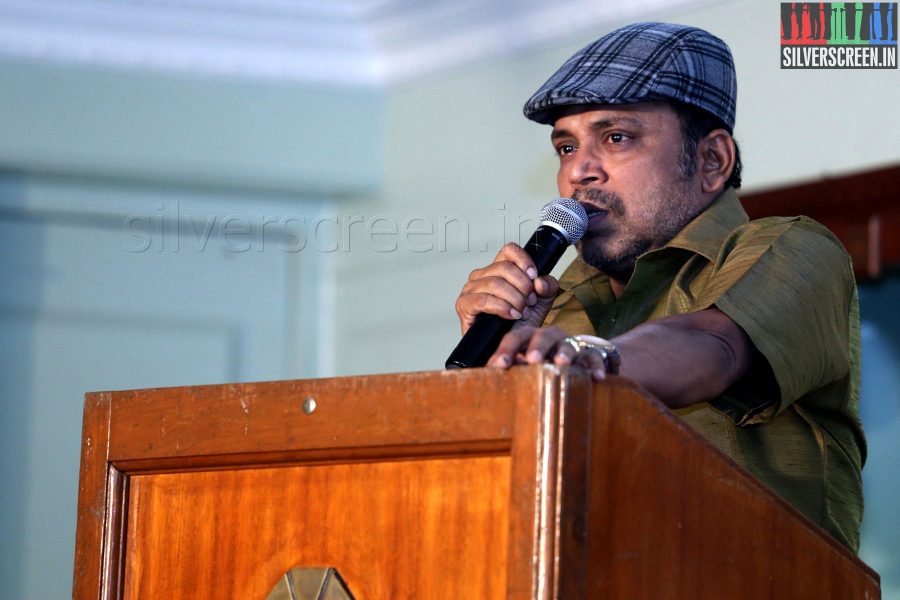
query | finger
(514,253)
(546,286)
(505,269)
(564,354)
(499,286)
(592,362)
(512,344)
(543,341)
(470,306)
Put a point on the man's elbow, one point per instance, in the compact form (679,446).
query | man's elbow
(725,365)
(724,356)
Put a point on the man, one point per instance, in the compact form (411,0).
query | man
(814,9)
(883,8)
(786,12)
(749,330)
(798,16)
(828,15)
(866,29)
(850,14)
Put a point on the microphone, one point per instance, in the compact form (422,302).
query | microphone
(563,222)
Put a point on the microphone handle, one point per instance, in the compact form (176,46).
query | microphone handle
(545,248)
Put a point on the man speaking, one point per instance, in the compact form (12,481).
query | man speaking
(748,330)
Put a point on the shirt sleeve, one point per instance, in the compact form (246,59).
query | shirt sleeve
(788,283)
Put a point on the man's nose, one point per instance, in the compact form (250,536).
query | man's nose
(587,168)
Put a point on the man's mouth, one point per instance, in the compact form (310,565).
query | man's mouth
(595,214)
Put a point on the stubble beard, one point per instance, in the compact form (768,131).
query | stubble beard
(616,251)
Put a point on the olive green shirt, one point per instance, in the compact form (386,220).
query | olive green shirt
(788,283)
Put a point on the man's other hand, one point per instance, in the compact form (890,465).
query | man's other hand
(508,287)
(527,344)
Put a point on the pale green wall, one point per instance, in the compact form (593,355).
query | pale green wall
(81,151)
(195,130)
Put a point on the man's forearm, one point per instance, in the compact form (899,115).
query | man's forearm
(686,359)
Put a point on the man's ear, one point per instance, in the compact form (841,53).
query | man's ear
(717,156)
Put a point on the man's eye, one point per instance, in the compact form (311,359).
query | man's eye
(564,149)
(617,138)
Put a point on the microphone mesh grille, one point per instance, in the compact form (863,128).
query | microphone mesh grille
(568,214)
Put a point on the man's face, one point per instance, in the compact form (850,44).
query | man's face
(623,163)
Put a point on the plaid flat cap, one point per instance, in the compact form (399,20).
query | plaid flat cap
(643,62)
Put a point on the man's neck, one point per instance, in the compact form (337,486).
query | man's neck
(617,287)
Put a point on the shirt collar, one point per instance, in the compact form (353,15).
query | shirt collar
(577,273)
(704,236)
(707,232)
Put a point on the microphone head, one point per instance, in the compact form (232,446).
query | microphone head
(567,216)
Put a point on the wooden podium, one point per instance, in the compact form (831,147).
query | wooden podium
(533,483)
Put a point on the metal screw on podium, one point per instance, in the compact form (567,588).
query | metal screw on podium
(309,405)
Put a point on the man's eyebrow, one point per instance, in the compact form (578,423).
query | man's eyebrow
(559,133)
(600,124)
(613,121)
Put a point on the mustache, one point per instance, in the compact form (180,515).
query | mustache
(608,201)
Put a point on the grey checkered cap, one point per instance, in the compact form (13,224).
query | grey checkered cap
(643,62)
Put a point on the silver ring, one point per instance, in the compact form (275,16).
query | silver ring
(574,342)
(580,344)
(603,348)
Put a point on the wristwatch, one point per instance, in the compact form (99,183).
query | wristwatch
(605,348)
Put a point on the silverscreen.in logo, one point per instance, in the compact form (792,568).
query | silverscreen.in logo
(844,35)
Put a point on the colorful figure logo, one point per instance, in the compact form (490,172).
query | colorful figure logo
(826,35)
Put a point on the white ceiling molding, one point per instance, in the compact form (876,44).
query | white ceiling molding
(344,42)
(495,28)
